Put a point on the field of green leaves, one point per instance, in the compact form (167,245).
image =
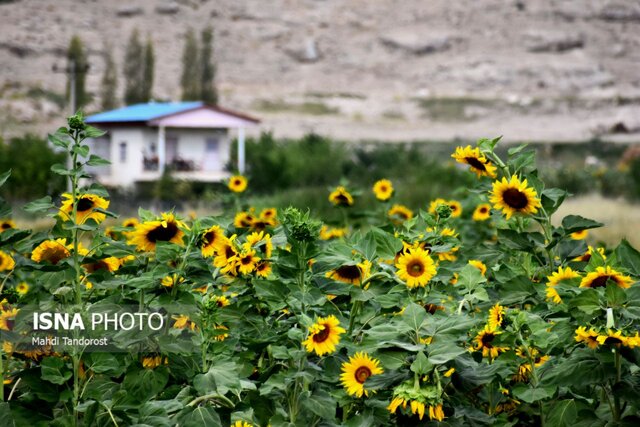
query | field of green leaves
(467,312)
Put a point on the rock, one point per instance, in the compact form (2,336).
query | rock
(308,53)
(16,49)
(168,8)
(545,41)
(620,12)
(416,42)
(129,11)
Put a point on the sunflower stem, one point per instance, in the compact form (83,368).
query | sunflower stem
(616,398)
(1,374)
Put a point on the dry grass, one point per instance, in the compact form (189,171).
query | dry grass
(621,218)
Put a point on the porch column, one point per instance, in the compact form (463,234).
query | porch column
(161,149)
(241,161)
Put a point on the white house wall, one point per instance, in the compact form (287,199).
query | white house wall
(192,145)
(124,174)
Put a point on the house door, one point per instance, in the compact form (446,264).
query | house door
(171,149)
(212,155)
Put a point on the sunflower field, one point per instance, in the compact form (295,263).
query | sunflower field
(466,312)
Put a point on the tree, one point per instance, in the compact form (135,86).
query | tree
(190,80)
(77,66)
(208,91)
(133,66)
(146,84)
(108,93)
(30,159)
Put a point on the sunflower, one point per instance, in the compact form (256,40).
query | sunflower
(580,235)
(477,161)
(328,233)
(324,335)
(482,212)
(22,288)
(263,268)
(602,275)
(86,208)
(110,264)
(182,322)
(52,251)
(130,222)
(479,265)
(436,412)
(212,239)
(514,196)
(416,267)
(352,274)
(8,318)
(356,371)
(6,262)
(171,280)
(147,234)
(557,277)
(237,183)
(241,424)
(590,337)
(383,189)
(496,316)
(456,208)
(435,203)
(399,213)
(246,261)
(585,257)
(226,252)
(269,214)
(220,300)
(221,335)
(152,362)
(341,197)
(615,339)
(243,220)
(524,370)
(6,224)
(261,241)
(484,340)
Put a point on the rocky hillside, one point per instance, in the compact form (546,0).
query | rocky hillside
(355,69)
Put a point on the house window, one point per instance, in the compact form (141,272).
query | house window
(123,152)
(212,145)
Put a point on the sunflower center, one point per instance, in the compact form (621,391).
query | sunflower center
(342,199)
(415,268)
(259,225)
(475,163)
(237,182)
(383,189)
(515,199)
(349,272)
(362,373)
(229,252)
(209,237)
(483,210)
(55,255)
(322,335)
(613,341)
(487,339)
(245,260)
(5,226)
(601,281)
(163,234)
(84,205)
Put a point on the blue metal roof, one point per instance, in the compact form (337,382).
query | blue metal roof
(142,112)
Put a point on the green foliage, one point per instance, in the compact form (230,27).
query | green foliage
(190,79)
(109,84)
(77,59)
(30,159)
(148,65)
(208,91)
(134,69)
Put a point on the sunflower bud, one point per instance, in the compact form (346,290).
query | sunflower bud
(443,211)
(299,226)
(76,122)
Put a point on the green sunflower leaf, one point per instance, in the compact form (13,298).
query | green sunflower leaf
(588,301)
(55,370)
(530,395)
(39,206)
(562,413)
(4,176)
(573,223)
(628,257)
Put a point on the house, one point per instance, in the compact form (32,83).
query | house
(191,139)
